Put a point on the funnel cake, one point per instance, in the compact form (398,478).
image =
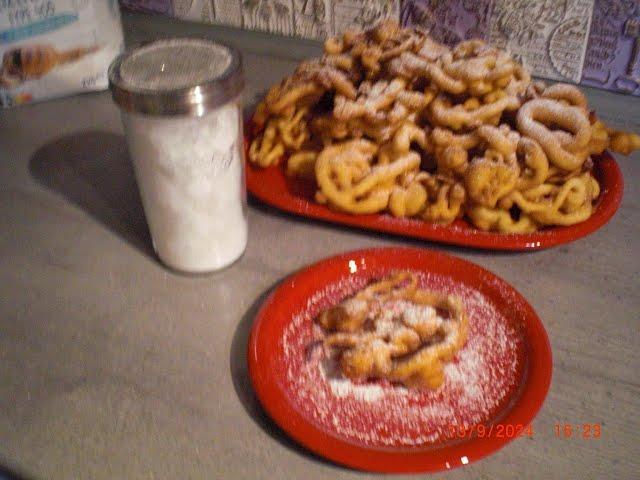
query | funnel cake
(392,330)
(390,121)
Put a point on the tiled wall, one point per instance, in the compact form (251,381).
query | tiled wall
(595,42)
(303,18)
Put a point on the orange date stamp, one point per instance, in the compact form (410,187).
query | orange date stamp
(498,430)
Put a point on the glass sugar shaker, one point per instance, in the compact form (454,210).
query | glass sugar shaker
(181,111)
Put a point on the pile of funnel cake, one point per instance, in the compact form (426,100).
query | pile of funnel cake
(388,120)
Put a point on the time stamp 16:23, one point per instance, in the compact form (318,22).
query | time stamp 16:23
(586,431)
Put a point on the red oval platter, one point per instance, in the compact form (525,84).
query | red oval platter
(502,374)
(272,186)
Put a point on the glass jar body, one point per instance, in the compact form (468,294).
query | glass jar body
(190,172)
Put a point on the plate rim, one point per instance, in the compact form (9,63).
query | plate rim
(607,169)
(414,459)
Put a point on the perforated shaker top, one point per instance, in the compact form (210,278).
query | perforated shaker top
(176,76)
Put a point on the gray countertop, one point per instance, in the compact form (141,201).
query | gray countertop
(113,367)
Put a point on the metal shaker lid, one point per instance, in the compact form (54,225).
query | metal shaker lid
(179,76)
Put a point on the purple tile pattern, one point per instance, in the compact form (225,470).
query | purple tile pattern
(547,35)
(613,53)
(449,21)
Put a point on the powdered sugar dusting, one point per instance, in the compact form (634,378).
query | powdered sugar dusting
(343,387)
(418,314)
(478,385)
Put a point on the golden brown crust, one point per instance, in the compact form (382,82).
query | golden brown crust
(393,330)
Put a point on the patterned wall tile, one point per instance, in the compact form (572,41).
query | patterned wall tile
(275,16)
(312,18)
(549,36)
(596,41)
(612,60)
(449,21)
(360,13)
(228,12)
(196,10)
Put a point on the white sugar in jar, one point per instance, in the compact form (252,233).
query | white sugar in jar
(181,110)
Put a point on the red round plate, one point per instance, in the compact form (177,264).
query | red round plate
(272,186)
(284,320)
